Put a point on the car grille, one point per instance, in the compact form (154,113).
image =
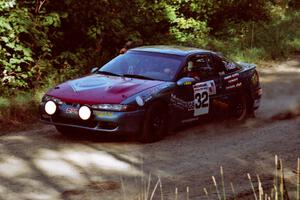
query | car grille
(74,105)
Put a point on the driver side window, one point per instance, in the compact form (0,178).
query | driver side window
(198,67)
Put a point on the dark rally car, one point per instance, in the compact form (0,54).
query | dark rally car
(149,89)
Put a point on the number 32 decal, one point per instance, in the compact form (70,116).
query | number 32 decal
(201,99)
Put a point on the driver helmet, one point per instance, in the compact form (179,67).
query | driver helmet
(190,66)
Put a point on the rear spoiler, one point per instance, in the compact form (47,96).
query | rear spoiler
(247,65)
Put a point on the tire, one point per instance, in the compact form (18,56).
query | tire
(250,110)
(239,109)
(155,123)
(67,131)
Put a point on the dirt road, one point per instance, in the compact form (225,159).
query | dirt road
(41,164)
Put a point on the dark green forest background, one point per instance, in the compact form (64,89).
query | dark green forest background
(43,42)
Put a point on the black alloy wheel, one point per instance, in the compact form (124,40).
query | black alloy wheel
(239,108)
(155,123)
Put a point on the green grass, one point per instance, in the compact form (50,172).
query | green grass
(4,103)
(20,110)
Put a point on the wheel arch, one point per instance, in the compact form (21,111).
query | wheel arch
(160,100)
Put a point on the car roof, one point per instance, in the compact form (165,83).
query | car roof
(169,49)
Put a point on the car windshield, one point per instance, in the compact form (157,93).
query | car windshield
(144,66)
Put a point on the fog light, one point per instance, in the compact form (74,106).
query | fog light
(50,107)
(85,112)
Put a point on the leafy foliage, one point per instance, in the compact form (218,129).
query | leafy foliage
(23,41)
(45,41)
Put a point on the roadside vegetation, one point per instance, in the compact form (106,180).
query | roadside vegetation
(222,190)
(45,42)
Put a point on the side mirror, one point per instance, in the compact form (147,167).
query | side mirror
(186,81)
(94,69)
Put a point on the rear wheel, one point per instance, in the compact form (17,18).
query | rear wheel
(250,109)
(155,123)
(239,108)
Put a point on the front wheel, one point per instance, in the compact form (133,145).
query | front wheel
(155,123)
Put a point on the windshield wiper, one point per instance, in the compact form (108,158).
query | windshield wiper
(137,76)
(107,73)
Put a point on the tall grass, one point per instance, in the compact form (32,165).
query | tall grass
(252,186)
(17,109)
(20,110)
(298,180)
(278,192)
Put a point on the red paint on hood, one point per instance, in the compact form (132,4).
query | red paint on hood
(100,89)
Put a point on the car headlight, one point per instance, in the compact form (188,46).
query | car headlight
(50,107)
(85,112)
(114,107)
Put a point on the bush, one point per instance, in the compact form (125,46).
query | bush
(251,41)
(24,40)
(18,111)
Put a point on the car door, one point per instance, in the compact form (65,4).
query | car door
(193,99)
(230,80)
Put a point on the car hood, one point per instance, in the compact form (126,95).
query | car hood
(100,89)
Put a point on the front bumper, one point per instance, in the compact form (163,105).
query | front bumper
(100,121)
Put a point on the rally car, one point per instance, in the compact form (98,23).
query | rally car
(151,89)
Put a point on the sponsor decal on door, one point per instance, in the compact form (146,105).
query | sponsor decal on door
(201,99)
